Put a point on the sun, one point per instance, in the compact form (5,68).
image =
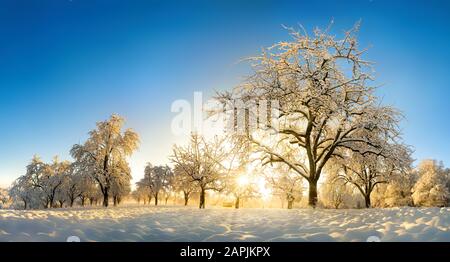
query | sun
(259,183)
(243,180)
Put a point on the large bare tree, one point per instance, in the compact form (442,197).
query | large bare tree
(320,85)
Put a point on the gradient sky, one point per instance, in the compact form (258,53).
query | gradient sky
(66,64)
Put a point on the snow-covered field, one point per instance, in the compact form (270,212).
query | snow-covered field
(215,224)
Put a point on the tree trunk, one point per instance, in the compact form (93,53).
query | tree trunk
(312,200)
(237,203)
(115,200)
(290,204)
(106,197)
(71,202)
(83,199)
(367,200)
(202,199)
(186,198)
(156,199)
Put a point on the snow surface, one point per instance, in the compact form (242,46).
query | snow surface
(139,223)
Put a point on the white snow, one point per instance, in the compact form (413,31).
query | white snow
(139,223)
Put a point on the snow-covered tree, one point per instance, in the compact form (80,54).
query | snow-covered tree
(53,179)
(398,191)
(121,182)
(183,183)
(22,191)
(119,190)
(431,189)
(76,185)
(320,85)
(156,179)
(287,184)
(335,193)
(143,193)
(137,196)
(70,189)
(366,172)
(207,163)
(46,179)
(31,186)
(169,192)
(105,153)
(4,198)
(241,186)
(241,181)
(40,185)
(81,185)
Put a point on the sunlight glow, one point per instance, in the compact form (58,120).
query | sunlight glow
(243,181)
(265,192)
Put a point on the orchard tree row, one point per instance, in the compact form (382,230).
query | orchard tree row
(99,172)
(223,166)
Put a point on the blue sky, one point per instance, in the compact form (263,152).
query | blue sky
(66,64)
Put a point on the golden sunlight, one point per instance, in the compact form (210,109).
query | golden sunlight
(265,192)
(243,180)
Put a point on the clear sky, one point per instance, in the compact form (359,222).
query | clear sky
(66,64)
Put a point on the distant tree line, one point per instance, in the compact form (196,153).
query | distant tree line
(346,185)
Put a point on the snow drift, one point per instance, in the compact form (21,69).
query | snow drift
(140,223)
